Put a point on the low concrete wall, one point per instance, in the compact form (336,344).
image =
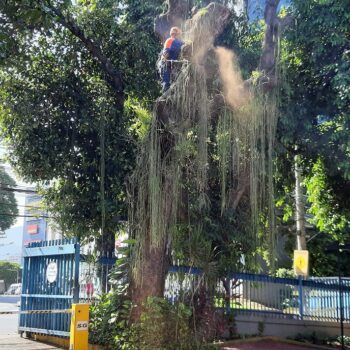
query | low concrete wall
(279,327)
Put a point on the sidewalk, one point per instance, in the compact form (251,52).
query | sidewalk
(9,338)
(15,342)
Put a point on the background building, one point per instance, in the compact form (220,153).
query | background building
(36,225)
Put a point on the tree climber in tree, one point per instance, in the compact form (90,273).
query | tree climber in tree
(171,53)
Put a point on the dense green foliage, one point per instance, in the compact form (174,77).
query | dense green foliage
(58,111)
(316,118)
(163,326)
(318,102)
(173,324)
(9,272)
(8,203)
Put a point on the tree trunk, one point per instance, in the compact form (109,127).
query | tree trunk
(176,15)
(153,273)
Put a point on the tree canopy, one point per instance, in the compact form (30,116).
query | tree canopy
(61,110)
(8,203)
(9,272)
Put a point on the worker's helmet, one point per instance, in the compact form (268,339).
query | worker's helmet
(175,30)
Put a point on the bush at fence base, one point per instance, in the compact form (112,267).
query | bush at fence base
(109,321)
(163,326)
(166,326)
(313,338)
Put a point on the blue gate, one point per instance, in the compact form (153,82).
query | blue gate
(50,281)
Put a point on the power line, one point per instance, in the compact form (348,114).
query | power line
(17,190)
(22,206)
(28,216)
(16,185)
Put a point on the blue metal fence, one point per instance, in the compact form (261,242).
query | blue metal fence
(312,299)
(49,290)
(308,299)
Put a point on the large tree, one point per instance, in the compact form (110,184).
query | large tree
(186,183)
(9,272)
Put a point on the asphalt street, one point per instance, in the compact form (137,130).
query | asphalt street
(9,338)
(9,299)
(8,323)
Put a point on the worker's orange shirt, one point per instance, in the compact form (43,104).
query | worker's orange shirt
(172,48)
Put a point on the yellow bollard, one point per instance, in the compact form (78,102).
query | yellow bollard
(79,327)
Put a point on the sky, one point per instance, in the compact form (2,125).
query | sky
(11,242)
(256,8)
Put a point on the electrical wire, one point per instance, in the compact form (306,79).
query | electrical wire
(27,216)
(9,189)
(21,206)
(16,185)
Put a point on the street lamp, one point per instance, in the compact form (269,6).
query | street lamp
(339,248)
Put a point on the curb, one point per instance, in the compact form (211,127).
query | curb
(62,343)
(275,339)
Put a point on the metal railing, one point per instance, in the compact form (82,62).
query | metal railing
(305,299)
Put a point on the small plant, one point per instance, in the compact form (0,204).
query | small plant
(261,328)
(345,338)
(164,326)
(312,338)
(336,341)
(285,273)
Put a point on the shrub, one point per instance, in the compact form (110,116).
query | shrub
(109,317)
(166,326)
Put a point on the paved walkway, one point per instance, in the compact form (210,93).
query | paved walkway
(266,344)
(15,342)
(8,323)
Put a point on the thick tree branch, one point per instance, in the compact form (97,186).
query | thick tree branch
(268,56)
(113,76)
(267,64)
(274,28)
(284,22)
(176,14)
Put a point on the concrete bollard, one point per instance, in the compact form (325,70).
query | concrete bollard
(79,327)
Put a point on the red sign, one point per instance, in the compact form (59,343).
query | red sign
(32,229)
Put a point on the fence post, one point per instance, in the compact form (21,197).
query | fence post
(79,327)
(301,306)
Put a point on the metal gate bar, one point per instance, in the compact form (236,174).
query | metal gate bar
(40,294)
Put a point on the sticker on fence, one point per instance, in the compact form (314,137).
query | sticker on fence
(51,272)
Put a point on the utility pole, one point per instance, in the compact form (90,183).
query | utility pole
(299,204)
